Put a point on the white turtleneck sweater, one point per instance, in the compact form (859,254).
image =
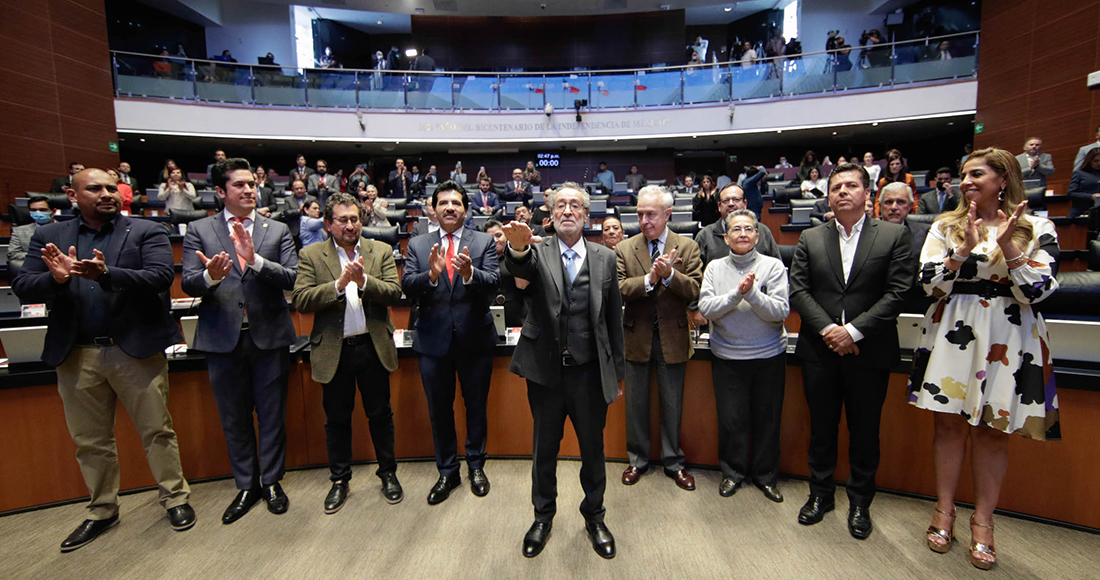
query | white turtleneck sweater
(745,326)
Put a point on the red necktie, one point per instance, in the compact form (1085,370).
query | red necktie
(450,258)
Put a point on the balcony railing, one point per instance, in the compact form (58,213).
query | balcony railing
(883,66)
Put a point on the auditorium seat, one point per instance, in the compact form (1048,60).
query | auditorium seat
(184,216)
(397,216)
(386,235)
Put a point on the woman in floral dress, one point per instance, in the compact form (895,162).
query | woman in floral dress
(983,362)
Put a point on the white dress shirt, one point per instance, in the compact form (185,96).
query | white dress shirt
(355,319)
(660,250)
(258,261)
(849,242)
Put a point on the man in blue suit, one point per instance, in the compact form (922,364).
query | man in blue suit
(452,274)
(240,263)
(485,201)
(106,278)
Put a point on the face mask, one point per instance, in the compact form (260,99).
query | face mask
(41,217)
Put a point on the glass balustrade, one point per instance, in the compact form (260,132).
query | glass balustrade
(937,59)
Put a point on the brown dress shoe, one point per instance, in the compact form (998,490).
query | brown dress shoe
(682,478)
(632,475)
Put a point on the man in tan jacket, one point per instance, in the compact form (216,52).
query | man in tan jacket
(349,282)
(659,275)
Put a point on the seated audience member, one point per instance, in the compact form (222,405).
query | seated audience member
(689,184)
(895,202)
(123,190)
(432,225)
(178,193)
(1084,186)
(896,171)
(523,214)
(41,213)
(531,174)
(295,204)
(942,199)
(374,208)
(312,226)
(481,172)
(809,161)
(783,163)
(841,160)
(745,296)
(484,201)
(821,210)
(512,296)
(634,180)
(457,175)
(63,183)
(1079,160)
(751,185)
(826,161)
(431,178)
(869,208)
(541,215)
(611,232)
(814,186)
(515,190)
(704,206)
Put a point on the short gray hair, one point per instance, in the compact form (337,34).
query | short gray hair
(897,187)
(552,194)
(660,192)
(742,213)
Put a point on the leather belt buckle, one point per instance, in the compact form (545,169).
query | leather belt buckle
(567,360)
(357,339)
(103,341)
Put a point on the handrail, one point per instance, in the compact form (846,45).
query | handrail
(306,70)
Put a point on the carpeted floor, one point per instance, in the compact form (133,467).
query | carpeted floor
(660,531)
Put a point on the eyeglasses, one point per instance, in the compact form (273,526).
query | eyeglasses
(345,220)
(573,206)
(745,229)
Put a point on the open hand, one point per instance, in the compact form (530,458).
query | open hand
(463,264)
(242,243)
(436,264)
(59,263)
(1007,227)
(519,235)
(218,266)
(971,239)
(90,269)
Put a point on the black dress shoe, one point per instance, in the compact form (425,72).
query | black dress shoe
(391,488)
(479,482)
(277,501)
(814,509)
(728,487)
(859,522)
(535,538)
(442,488)
(246,498)
(182,517)
(602,540)
(86,532)
(771,492)
(336,496)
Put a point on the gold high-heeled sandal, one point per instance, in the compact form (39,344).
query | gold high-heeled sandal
(977,548)
(945,537)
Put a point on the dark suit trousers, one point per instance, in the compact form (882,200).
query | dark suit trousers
(358,364)
(844,382)
(245,379)
(579,397)
(438,375)
(749,397)
(670,390)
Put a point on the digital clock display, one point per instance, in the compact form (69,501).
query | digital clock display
(548,159)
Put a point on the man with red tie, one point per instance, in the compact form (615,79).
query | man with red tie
(484,202)
(452,274)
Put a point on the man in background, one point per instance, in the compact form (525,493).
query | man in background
(1035,164)
(606,178)
(21,236)
(63,183)
(321,185)
(124,177)
(399,182)
(939,200)
(219,155)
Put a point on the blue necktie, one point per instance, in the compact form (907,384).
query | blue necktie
(571,264)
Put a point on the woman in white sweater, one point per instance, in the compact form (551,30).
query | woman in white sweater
(744,296)
(814,186)
(179,193)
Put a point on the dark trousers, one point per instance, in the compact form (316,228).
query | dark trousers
(359,364)
(438,375)
(749,397)
(579,397)
(670,390)
(246,379)
(844,382)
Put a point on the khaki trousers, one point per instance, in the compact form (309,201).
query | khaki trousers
(91,381)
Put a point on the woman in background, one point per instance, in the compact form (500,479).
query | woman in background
(457,175)
(312,226)
(178,194)
(1084,186)
(814,186)
(124,190)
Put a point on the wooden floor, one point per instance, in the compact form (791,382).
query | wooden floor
(660,530)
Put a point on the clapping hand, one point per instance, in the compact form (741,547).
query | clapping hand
(353,272)
(218,266)
(746,283)
(59,263)
(242,243)
(971,239)
(463,264)
(436,264)
(89,269)
(1007,227)
(662,266)
(519,235)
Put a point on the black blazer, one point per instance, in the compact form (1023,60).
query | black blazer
(59,184)
(140,274)
(882,272)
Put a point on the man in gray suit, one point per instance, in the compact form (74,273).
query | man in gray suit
(321,185)
(245,330)
(292,214)
(1082,152)
(942,199)
(571,352)
(21,236)
(1035,164)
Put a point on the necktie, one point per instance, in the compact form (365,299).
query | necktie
(240,260)
(655,253)
(571,264)
(450,257)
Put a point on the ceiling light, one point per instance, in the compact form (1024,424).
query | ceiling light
(142,139)
(834,132)
(411,52)
(875,124)
(727,9)
(779,130)
(379,22)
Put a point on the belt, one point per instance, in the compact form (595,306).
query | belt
(983,288)
(357,339)
(567,360)
(99,341)
(244,326)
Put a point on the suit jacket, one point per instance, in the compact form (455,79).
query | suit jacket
(291,216)
(1042,170)
(18,246)
(294,176)
(420,228)
(821,207)
(1082,153)
(882,271)
(918,231)
(712,243)
(930,201)
(133,184)
(459,311)
(396,190)
(476,204)
(510,192)
(315,291)
(221,313)
(667,304)
(140,274)
(538,353)
(59,184)
(322,186)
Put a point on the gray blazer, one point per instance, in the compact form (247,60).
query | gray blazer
(930,202)
(537,357)
(223,307)
(322,187)
(19,244)
(1042,170)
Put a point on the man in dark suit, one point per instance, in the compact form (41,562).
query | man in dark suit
(847,281)
(292,214)
(517,189)
(571,353)
(452,275)
(821,210)
(424,63)
(300,170)
(941,199)
(485,201)
(428,227)
(106,277)
(124,177)
(62,183)
(321,185)
(245,330)
(399,183)
(895,201)
(219,156)
(349,283)
(659,275)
